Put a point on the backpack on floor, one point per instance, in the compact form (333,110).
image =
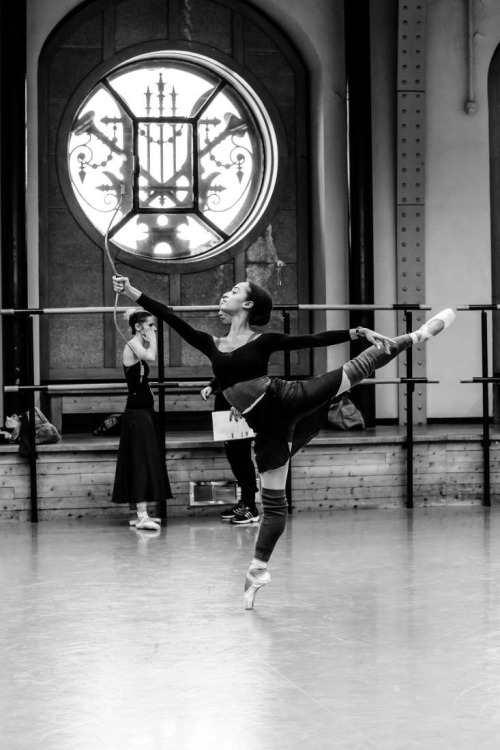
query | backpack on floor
(45,431)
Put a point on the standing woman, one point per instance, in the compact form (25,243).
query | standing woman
(285,415)
(141,475)
(239,457)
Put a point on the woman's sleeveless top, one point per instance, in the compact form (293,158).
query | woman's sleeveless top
(139,391)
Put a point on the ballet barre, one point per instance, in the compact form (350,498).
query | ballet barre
(162,385)
(92,387)
(476,308)
(114,387)
(203,308)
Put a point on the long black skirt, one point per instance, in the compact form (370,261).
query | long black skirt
(141,474)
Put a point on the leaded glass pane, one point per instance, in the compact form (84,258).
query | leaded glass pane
(166,165)
(230,161)
(160,89)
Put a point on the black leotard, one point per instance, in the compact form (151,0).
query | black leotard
(247,362)
(139,391)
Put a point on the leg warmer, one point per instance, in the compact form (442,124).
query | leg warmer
(273,524)
(371,359)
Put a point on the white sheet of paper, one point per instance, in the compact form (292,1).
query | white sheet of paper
(230,429)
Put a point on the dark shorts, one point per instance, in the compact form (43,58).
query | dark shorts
(291,412)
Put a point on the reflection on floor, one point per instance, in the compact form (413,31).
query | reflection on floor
(381,629)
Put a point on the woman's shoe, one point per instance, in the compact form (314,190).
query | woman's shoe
(245,515)
(135,521)
(229,513)
(256,578)
(436,324)
(147,523)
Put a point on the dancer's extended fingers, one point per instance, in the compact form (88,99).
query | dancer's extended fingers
(384,342)
(378,338)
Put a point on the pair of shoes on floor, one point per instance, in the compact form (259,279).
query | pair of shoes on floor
(240,514)
(146,523)
(245,515)
(135,521)
(229,513)
(256,578)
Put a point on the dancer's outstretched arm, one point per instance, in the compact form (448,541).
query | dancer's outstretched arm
(200,340)
(286,342)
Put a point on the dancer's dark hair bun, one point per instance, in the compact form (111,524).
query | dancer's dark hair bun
(260,313)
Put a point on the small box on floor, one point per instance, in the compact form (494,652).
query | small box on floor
(224,492)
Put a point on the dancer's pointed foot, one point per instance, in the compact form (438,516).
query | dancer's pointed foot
(256,578)
(435,325)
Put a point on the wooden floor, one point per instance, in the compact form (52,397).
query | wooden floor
(379,631)
(335,471)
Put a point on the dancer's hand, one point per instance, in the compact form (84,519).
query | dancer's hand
(149,334)
(377,339)
(122,285)
(206,392)
(234,414)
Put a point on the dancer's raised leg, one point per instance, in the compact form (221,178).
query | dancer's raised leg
(374,357)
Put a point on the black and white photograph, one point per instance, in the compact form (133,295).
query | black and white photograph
(250,374)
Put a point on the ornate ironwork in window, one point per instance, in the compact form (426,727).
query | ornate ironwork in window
(180,152)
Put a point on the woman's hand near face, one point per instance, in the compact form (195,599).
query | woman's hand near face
(149,334)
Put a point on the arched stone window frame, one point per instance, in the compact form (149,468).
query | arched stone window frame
(271,128)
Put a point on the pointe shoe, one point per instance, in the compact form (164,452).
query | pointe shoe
(436,324)
(147,524)
(135,521)
(256,578)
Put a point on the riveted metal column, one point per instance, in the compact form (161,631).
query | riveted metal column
(410,183)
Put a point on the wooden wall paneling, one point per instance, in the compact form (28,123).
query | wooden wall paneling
(75,479)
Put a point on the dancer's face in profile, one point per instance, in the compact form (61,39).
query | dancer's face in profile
(236,299)
(146,325)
